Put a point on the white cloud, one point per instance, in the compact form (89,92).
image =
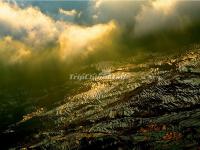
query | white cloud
(30,24)
(72,12)
(12,51)
(35,29)
(159,14)
(77,40)
(165,6)
(29,30)
(121,11)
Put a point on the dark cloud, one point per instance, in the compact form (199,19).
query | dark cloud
(152,25)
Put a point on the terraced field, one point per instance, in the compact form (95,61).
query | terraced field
(156,106)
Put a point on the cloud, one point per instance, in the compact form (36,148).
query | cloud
(69,15)
(72,12)
(165,6)
(140,16)
(77,40)
(134,20)
(12,51)
(152,25)
(98,3)
(38,46)
(123,12)
(31,32)
(29,25)
(157,15)
(167,25)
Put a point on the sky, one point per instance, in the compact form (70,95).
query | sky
(51,34)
